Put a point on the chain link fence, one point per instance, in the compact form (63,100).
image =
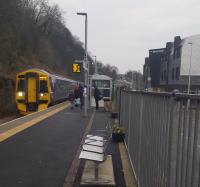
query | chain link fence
(162,137)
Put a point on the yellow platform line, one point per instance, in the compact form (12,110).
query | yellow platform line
(5,135)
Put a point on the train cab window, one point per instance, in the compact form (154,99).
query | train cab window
(21,76)
(43,86)
(21,85)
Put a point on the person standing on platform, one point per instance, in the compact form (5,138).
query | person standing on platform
(72,99)
(77,96)
(80,91)
(96,96)
(76,93)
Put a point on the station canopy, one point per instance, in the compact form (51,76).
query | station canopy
(100,77)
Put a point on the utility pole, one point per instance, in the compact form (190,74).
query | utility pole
(189,76)
(86,69)
(95,65)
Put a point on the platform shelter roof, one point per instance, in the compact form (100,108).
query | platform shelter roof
(100,77)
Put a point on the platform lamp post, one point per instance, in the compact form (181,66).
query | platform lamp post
(189,76)
(86,68)
(132,79)
(95,65)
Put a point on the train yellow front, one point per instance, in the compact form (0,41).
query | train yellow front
(36,89)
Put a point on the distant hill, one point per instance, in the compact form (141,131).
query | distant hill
(33,34)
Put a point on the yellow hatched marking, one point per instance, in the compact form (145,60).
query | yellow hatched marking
(23,126)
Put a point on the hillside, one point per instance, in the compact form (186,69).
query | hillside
(33,34)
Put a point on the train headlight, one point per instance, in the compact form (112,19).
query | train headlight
(41,94)
(20,94)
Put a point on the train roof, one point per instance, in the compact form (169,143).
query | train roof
(35,70)
(47,73)
(61,78)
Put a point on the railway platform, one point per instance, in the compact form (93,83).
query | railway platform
(42,149)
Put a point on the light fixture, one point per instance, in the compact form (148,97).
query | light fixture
(20,94)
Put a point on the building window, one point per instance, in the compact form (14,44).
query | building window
(177,73)
(172,73)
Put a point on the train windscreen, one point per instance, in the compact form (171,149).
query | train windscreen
(21,85)
(43,86)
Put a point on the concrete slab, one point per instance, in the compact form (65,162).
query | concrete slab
(106,174)
(128,171)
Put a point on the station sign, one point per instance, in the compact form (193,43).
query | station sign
(76,67)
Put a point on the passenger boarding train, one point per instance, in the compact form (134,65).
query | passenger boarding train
(36,89)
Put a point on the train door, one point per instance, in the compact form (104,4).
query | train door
(31,90)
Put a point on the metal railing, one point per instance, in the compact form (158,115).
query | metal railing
(162,137)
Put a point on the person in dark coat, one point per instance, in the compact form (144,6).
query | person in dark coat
(80,91)
(76,92)
(96,96)
(72,99)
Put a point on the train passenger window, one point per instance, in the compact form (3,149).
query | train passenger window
(43,86)
(51,84)
(21,85)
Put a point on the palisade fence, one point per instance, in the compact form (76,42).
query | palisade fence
(162,137)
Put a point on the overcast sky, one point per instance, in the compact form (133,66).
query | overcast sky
(120,32)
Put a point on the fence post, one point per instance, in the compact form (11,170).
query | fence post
(173,142)
(129,122)
(140,138)
(119,103)
(195,181)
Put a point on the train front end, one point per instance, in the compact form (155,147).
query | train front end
(32,91)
